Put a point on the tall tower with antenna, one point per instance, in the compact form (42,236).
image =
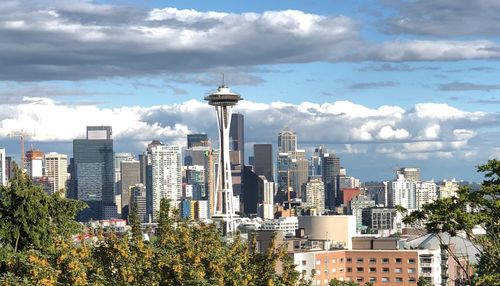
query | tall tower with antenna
(223,100)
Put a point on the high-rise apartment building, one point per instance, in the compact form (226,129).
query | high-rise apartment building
(130,177)
(426,193)
(198,139)
(3,168)
(314,194)
(403,193)
(164,178)
(263,160)
(237,135)
(56,170)
(34,163)
(93,173)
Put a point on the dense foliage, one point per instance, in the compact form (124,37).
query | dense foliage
(38,247)
(465,211)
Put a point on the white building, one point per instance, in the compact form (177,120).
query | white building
(403,193)
(286,224)
(426,193)
(265,209)
(56,169)
(202,210)
(166,174)
(3,168)
(34,163)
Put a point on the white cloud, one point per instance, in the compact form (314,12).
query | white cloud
(388,131)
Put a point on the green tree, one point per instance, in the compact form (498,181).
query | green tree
(450,215)
(29,218)
(134,222)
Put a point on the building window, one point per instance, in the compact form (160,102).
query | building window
(341,269)
(348,260)
(385,260)
(372,279)
(334,261)
(411,270)
(411,260)
(349,269)
(334,270)
(398,270)
(318,262)
(304,262)
(398,280)
(385,279)
(412,279)
(373,269)
(398,260)
(373,260)
(341,260)
(385,270)
(360,269)
(359,279)
(359,260)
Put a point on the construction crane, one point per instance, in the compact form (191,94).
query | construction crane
(22,135)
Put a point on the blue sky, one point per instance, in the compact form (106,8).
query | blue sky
(382,83)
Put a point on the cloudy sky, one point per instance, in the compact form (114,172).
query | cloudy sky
(381,83)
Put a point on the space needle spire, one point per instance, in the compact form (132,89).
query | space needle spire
(223,100)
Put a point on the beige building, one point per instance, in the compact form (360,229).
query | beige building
(56,170)
(339,229)
(314,194)
(448,189)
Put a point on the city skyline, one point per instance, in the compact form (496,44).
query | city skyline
(390,89)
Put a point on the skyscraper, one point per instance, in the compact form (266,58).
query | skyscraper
(93,173)
(223,100)
(138,197)
(130,176)
(196,140)
(56,170)
(258,194)
(263,160)
(164,175)
(287,167)
(299,170)
(316,162)
(195,176)
(237,135)
(3,169)
(287,141)
(331,172)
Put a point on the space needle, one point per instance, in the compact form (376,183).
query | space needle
(223,100)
